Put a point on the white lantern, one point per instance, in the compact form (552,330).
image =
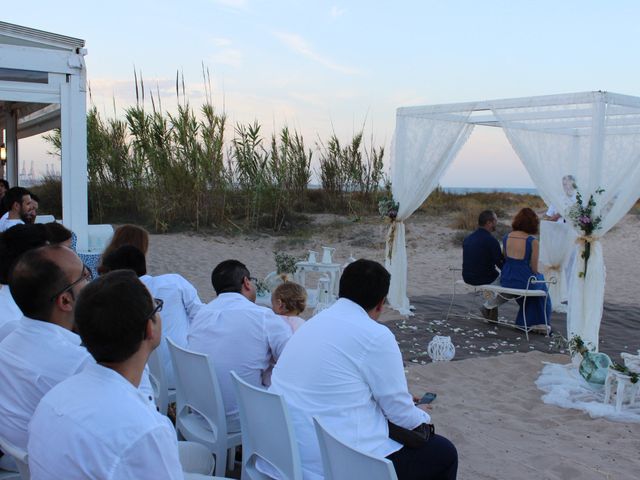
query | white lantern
(441,349)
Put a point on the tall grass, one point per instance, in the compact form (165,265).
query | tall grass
(179,170)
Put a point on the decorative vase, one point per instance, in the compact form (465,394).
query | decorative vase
(327,252)
(312,257)
(324,298)
(441,349)
(594,367)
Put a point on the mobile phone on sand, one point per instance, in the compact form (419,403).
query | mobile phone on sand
(427,398)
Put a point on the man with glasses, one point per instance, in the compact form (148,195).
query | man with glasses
(236,333)
(43,350)
(96,424)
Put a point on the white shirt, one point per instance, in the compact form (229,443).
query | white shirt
(347,369)
(237,335)
(10,313)
(97,425)
(34,358)
(7,223)
(181,304)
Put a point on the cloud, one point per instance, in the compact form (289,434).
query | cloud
(336,11)
(300,46)
(225,53)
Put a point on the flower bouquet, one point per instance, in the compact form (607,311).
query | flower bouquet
(583,217)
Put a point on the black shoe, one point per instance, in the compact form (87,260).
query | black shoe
(489,313)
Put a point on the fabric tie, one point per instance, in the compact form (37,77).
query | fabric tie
(392,235)
(584,239)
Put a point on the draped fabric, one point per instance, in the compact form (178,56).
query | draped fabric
(421,151)
(597,142)
(557,242)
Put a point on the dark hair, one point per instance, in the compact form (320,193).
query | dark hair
(5,183)
(111,316)
(35,279)
(292,295)
(128,235)
(526,220)
(126,257)
(364,282)
(57,233)
(16,241)
(34,197)
(14,195)
(485,217)
(228,276)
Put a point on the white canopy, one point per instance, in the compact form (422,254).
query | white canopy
(593,136)
(43,86)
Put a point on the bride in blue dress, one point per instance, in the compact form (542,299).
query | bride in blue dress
(521,250)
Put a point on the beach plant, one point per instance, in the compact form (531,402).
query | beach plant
(285,263)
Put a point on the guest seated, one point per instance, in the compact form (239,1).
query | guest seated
(58,234)
(521,249)
(13,243)
(288,301)
(181,300)
(482,260)
(126,235)
(19,208)
(236,333)
(346,368)
(96,424)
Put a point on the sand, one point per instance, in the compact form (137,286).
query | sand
(489,407)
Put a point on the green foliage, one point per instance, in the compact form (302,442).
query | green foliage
(171,171)
(285,263)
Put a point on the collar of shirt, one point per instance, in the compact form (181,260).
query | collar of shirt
(109,376)
(231,298)
(43,328)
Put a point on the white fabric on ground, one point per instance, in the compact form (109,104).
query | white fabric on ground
(564,387)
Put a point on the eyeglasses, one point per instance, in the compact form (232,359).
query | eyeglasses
(253,279)
(158,307)
(86,275)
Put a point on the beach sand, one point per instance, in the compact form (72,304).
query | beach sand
(487,404)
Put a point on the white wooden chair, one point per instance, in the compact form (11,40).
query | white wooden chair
(341,462)
(267,433)
(200,413)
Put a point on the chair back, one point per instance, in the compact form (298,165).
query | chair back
(341,462)
(20,456)
(200,413)
(267,432)
(158,382)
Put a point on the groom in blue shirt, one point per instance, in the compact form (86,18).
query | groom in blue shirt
(482,258)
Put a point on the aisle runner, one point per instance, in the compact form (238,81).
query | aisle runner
(565,388)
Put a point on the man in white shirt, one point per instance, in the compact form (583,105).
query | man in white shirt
(236,333)
(97,424)
(347,369)
(42,351)
(181,300)
(13,243)
(19,208)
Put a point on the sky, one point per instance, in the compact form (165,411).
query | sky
(323,67)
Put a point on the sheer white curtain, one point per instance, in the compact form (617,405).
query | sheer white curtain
(422,150)
(599,145)
(557,242)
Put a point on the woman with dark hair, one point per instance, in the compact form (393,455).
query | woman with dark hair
(521,250)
